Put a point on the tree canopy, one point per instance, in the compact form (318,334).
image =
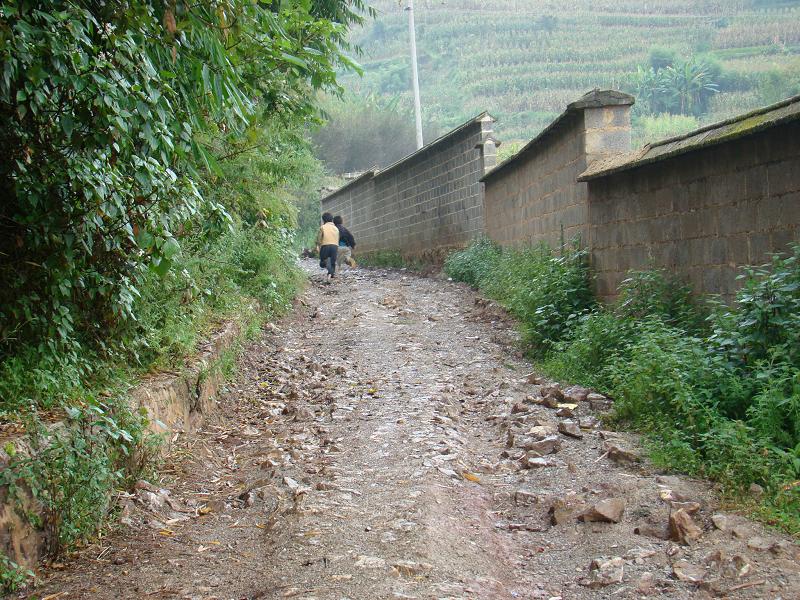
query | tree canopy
(113,117)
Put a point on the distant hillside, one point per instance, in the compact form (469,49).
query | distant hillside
(525,60)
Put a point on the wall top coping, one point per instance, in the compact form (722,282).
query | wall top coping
(365,175)
(480,119)
(595,99)
(710,135)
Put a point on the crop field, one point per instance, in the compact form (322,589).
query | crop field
(523,61)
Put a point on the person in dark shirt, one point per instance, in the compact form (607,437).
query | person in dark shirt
(347,243)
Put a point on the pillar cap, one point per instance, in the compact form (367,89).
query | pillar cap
(599,98)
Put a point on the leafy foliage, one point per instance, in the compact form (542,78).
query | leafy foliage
(109,117)
(153,157)
(548,291)
(682,88)
(12,576)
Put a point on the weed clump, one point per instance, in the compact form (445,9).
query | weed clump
(547,291)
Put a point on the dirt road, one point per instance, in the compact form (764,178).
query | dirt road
(385,442)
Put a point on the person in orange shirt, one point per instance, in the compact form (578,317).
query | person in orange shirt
(328,244)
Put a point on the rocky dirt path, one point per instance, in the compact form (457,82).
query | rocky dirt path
(385,442)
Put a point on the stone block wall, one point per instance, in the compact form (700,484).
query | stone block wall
(534,197)
(429,202)
(702,214)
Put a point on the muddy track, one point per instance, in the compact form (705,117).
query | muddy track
(377,444)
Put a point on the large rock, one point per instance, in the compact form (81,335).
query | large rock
(570,428)
(542,431)
(598,402)
(549,445)
(688,573)
(554,392)
(576,393)
(682,528)
(609,510)
(564,510)
(619,454)
(533,461)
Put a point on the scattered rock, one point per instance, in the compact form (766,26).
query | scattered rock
(682,527)
(554,392)
(604,573)
(542,431)
(742,531)
(759,543)
(589,422)
(605,511)
(518,408)
(563,510)
(654,531)
(549,402)
(545,446)
(756,491)
(576,393)
(721,522)
(570,428)
(565,411)
(689,507)
(639,555)
(687,572)
(646,583)
(619,454)
(530,461)
(525,498)
(598,402)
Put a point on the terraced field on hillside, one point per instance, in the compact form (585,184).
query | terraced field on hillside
(524,60)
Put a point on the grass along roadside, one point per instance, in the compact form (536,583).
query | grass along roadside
(715,389)
(388,259)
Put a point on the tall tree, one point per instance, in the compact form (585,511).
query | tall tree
(111,114)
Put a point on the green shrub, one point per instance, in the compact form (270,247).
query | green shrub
(388,259)
(547,291)
(474,262)
(585,357)
(12,576)
(659,293)
(764,323)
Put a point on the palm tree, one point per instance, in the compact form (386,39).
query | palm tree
(688,85)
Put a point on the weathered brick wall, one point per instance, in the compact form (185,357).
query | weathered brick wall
(530,202)
(428,202)
(534,197)
(702,214)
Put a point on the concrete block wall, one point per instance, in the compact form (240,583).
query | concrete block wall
(534,197)
(427,203)
(701,205)
(703,214)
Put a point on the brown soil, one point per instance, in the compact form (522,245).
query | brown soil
(361,453)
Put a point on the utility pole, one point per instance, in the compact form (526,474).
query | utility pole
(414,73)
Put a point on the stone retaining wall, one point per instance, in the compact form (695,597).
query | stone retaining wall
(173,402)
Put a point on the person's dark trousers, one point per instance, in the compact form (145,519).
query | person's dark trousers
(327,257)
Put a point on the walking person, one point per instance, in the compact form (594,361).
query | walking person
(347,243)
(328,244)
